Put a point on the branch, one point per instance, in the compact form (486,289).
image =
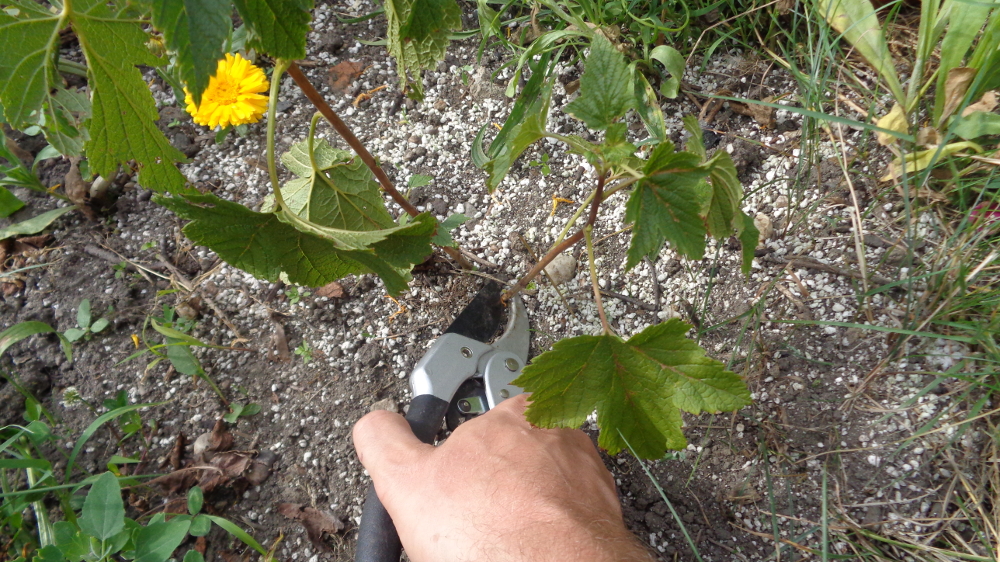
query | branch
(345,132)
(562,246)
(593,280)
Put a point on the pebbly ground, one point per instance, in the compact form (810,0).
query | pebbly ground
(744,474)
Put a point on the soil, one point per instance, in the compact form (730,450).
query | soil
(743,476)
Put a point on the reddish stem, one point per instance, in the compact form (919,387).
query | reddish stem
(345,132)
(563,246)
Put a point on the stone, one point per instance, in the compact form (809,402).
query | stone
(561,269)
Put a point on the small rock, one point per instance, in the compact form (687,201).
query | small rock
(283,106)
(781,202)
(439,206)
(440,105)
(369,354)
(414,139)
(561,269)
(387,404)
(763,224)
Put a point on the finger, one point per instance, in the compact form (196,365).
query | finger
(384,442)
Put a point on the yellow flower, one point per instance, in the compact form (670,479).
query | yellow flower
(233,95)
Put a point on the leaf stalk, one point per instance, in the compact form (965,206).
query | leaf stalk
(593,280)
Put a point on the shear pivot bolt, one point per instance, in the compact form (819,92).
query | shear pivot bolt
(504,393)
(511,364)
(466,352)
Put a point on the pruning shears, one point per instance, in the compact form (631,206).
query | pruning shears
(462,375)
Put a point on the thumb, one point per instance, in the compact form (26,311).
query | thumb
(385,442)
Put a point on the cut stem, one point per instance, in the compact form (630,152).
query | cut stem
(345,132)
(593,280)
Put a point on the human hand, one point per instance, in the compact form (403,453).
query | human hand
(498,489)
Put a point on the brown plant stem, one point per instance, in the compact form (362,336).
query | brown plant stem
(593,280)
(562,246)
(345,132)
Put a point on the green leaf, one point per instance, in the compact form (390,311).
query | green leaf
(123,126)
(73,544)
(157,541)
(605,87)
(408,245)
(251,409)
(260,243)
(417,35)
(525,134)
(103,513)
(49,553)
(9,203)
(22,330)
(74,334)
(966,19)
(749,238)
(647,105)
(193,555)
(180,356)
(297,158)
(99,325)
(35,224)
(195,500)
(419,180)
(667,205)
(83,314)
(196,30)
(65,115)
(279,26)
(976,124)
(29,45)
(443,236)
(200,526)
(695,144)
(638,387)
(727,193)
(615,149)
(857,22)
(237,532)
(672,60)
(231,417)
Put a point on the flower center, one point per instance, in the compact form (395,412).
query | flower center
(227,90)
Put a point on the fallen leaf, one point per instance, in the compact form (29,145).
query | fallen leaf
(955,86)
(928,136)
(919,160)
(986,103)
(77,190)
(895,120)
(315,521)
(177,453)
(279,342)
(343,74)
(762,114)
(217,440)
(331,290)
(224,468)
(260,468)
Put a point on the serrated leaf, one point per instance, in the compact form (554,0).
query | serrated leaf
(726,193)
(417,35)
(443,236)
(103,511)
(196,31)
(695,144)
(259,243)
(123,125)
(667,205)
(297,157)
(638,387)
(65,114)
(29,45)
(647,105)
(615,149)
(605,87)
(280,26)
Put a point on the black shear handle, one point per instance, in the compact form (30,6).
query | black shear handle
(377,537)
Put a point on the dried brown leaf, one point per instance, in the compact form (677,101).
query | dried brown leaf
(958,82)
(177,453)
(343,74)
(224,468)
(895,120)
(986,103)
(221,439)
(77,190)
(279,342)
(316,522)
(331,290)
(762,114)
(928,136)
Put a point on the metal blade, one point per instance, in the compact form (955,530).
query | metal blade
(482,317)
(516,338)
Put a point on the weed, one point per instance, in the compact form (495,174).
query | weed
(238,410)
(85,328)
(294,294)
(304,351)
